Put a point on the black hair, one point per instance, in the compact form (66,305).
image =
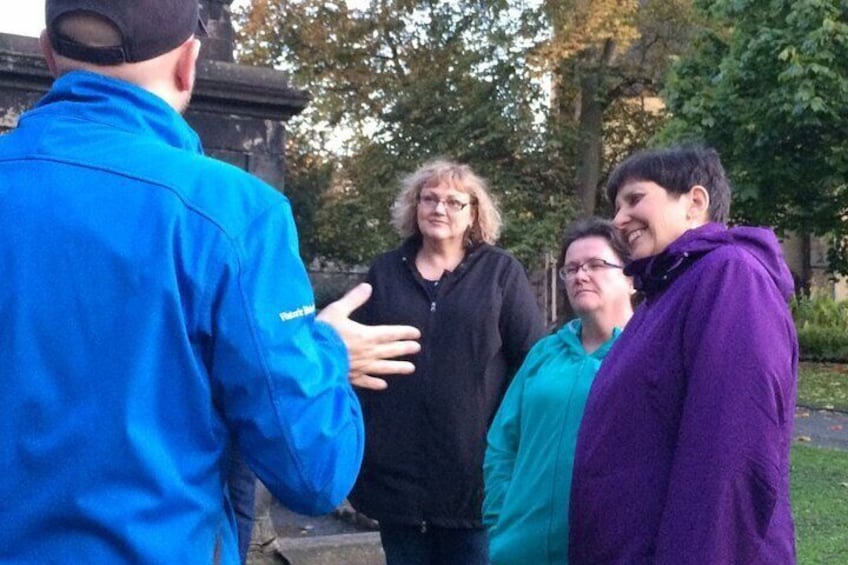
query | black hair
(677,170)
(593,226)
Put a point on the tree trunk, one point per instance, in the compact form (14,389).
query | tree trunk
(806,264)
(589,144)
(590,140)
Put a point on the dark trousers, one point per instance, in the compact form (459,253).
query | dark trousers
(241,482)
(414,545)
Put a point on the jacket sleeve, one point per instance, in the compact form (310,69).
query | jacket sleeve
(279,376)
(501,450)
(521,322)
(740,361)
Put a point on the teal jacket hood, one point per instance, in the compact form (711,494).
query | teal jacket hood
(569,336)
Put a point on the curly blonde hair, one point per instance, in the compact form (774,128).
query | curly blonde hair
(487,218)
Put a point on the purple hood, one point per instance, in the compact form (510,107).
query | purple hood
(653,274)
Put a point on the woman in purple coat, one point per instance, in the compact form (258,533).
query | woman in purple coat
(683,453)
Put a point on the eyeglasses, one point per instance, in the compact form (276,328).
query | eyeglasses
(593,265)
(431,202)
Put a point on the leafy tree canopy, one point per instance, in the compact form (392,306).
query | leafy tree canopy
(766,83)
(408,81)
(492,83)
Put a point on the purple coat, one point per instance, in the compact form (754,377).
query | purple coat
(683,453)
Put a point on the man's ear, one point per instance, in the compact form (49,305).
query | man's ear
(186,69)
(47,51)
(699,204)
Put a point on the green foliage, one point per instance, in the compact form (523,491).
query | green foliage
(354,219)
(766,83)
(822,326)
(820,504)
(819,343)
(307,179)
(821,311)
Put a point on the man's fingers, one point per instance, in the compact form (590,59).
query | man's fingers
(383,334)
(366,381)
(379,358)
(392,349)
(386,367)
(364,378)
(371,349)
(353,299)
(381,367)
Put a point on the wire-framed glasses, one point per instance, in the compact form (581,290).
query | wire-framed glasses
(593,265)
(431,202)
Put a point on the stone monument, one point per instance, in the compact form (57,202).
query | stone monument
(240,112)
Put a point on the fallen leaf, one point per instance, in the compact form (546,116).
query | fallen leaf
(804,439)
(836,428)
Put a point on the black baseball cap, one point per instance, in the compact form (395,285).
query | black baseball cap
(148,28)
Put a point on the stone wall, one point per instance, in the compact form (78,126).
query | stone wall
(23,77)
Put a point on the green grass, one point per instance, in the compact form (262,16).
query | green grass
(823,385)
(820,476)
(820,504)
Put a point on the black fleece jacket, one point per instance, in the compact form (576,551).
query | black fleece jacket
(425,435)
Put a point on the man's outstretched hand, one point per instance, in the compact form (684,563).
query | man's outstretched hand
(370,349)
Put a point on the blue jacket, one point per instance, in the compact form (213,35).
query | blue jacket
(530,453)
(155,312)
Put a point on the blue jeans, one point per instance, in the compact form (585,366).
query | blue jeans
(241,482)
(415,545)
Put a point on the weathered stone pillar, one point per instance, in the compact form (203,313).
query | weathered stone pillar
(240,113)
(23,77)
(219,45)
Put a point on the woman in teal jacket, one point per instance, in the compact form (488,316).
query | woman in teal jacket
(531,442)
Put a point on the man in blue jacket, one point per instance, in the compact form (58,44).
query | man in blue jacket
(156,315)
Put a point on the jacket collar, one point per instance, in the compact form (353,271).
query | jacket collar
(570,335)
(409,248)
(653,274)
(92,97)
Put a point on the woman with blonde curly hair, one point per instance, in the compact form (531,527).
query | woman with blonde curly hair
(426,433)
(486,226)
